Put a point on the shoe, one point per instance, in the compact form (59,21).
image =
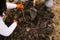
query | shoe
(49,3)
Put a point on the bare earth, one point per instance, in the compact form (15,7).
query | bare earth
(56,19)
(56,10)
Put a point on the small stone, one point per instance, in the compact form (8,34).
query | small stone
(27,29)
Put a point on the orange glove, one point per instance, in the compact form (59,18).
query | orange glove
(15,21)
(20,6)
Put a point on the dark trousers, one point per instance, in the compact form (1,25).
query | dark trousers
(2,37)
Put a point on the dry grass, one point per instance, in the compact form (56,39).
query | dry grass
(56,11)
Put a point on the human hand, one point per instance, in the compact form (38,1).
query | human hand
(20,6)
(15,21)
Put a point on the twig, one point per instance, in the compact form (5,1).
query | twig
(23,15)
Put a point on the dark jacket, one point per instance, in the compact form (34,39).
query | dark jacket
(2,6)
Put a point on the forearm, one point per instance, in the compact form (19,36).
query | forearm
(10,5)
(5,31)
(12,27)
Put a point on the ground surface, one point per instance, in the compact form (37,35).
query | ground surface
(36,29)
(56,11)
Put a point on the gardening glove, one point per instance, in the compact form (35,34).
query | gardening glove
(20,6)
(15,21)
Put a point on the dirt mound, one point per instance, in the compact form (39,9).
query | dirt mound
(35,23)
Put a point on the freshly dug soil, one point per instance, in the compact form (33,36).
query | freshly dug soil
(31,26)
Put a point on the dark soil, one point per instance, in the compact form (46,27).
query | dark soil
(31,26)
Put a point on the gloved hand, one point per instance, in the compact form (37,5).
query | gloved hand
(15,21)
(20,6)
